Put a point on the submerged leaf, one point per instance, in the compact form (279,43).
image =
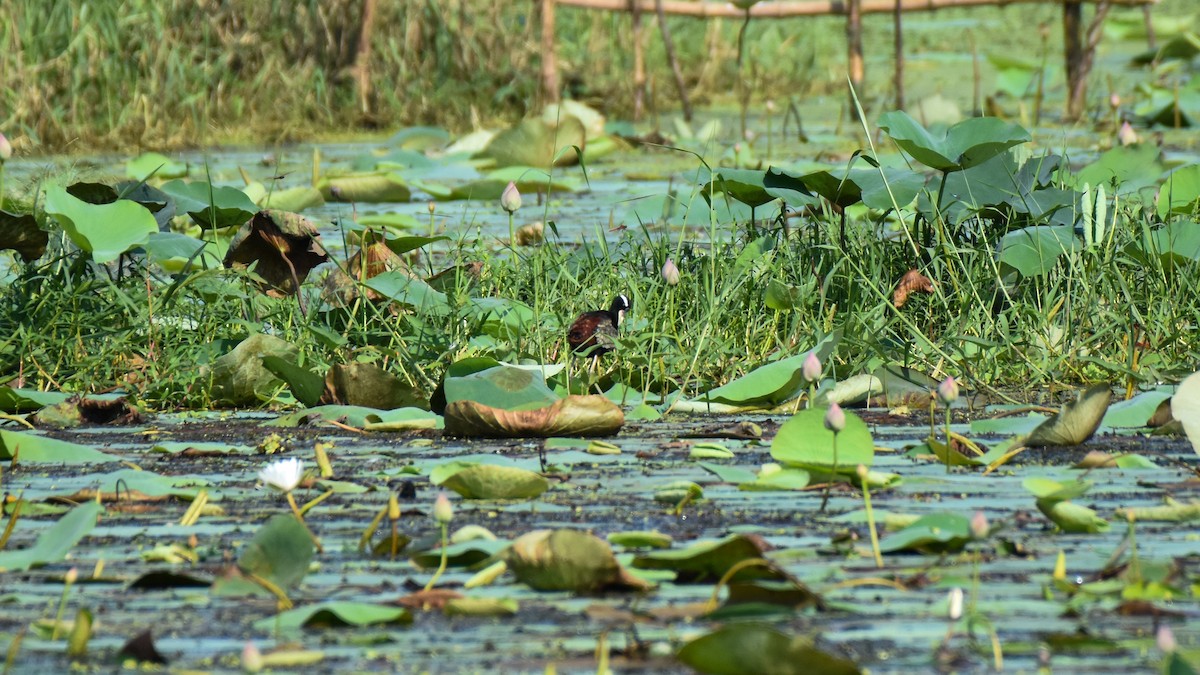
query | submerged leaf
(740,648)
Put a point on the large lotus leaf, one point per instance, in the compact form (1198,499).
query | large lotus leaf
(367,384)
(361,417)
(503,386)
(1003,184)
(1185,407)
(1168,106)
(292,199)
(1128,168)
(1050,490)
(54,542)
(283,247)
(20,232)
(1033,251)
(1135,412)
(567,560)
(28,447)
(306,386)
(962,146)
(114,484)
(419,139)
(154,164)
(934,533)
(336,614)
(743,185)
(105,230)
(772,384)
(593,415)
(279,552)
(743,647)
(804,442)
(592,119)
(1176,243)
(400,286)
(503,318)
(1180,192)
(870,185)
(491,481)
(14,400)
(366,187)
(537,143)
(462,554)
(1076,422)
(239,377)
(210,206)
(708,561)
(1071,517)
(174,250)
(529,180)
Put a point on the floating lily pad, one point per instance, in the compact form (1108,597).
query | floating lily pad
(709,560)
(934,533)
(279,552)
(336,614)
(535,142)
(567,560)
(27,447)
(366,187)
(593,415)
(804,442)
(746,647)
(491,481)
(54,542)
(154,164)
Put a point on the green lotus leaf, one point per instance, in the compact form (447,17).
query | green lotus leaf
(746,647)
(491,481)
(55,541)
(567,560)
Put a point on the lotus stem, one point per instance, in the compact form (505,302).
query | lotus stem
(300,517)
(68,580)
(866,490)
(728,576)
(949,441)
(12,522)
(445,555)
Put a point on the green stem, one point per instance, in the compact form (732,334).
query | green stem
(866,490)
(300,517)
(445,555)
(62,606)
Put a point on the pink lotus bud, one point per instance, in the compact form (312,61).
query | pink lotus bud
(811,369)
(252,659)
(432,206)
(71,576)
(670,273)
(835,419)
(771,107)
(443,512)
(1126,135)
(1165,639)
(5,149)
(510,199)
(947,391)
(979,525)
(1114,101)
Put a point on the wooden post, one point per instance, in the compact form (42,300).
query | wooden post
(898,56)
(854,58)
(1073,52)
(669,48)
(362,59)
(639,62)
(550,83)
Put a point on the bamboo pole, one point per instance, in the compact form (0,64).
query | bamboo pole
(784,8)
(898,55)
(854,53)
(639,61)
(550,82)
(669,48)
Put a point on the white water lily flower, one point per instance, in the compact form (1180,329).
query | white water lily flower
(283,475)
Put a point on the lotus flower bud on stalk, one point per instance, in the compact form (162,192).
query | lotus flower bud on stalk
(1126,135)
(811,368)
(252,659)
(5,149)
(956,604)
(1165,639)
(835,419)
(1114,101)
(771,105)
(510,199)
(947,391)
(670,273)
(443,512)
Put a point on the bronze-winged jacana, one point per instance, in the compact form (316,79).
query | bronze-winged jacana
(595,333)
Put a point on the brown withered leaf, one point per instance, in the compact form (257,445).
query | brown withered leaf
(593,415)
(434,598)
(283,246)
(20,232)
(912,282)
(449,279)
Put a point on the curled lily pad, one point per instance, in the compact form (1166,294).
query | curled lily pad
(568,560)
(640,539)
(154,164)
(283,247)
(1076,422)
(760,648)
(678,491)
(239,377)
(211,206)
(970,142)
(771,384)
(1071,517)
(20,232)
(366,187)
(934,533)
(538,143)
(491,481)
(593,415)
(710,560)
